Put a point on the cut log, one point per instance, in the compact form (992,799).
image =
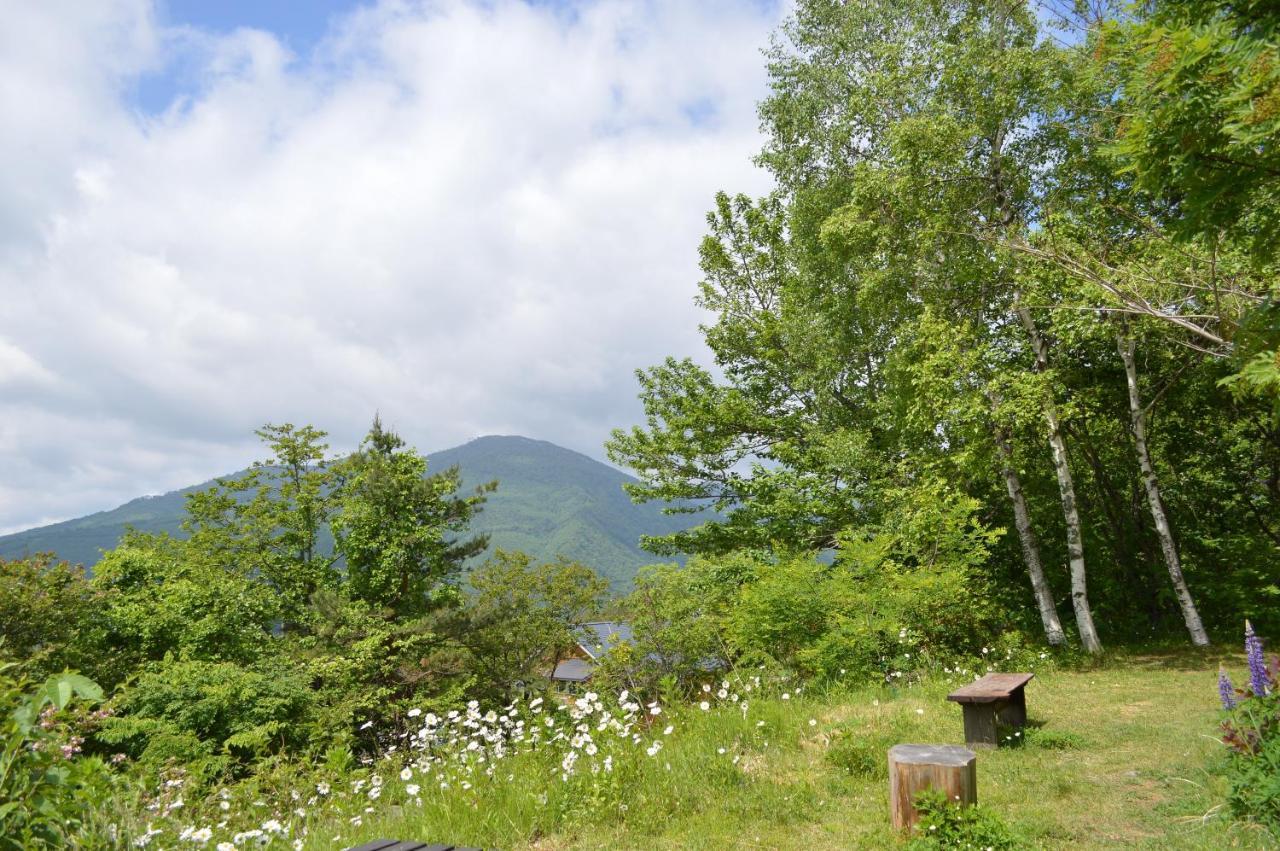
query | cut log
(950,769)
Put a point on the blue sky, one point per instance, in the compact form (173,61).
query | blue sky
(298,25)
(472,216)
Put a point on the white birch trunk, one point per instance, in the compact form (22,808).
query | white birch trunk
(1138,424)
(1067,490)
(1030,546)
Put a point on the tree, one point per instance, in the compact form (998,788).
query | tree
(903,140)
(394,526)
(272,519)
(523,617)
(50,616)
(168,597)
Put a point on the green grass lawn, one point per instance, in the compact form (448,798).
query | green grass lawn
(1120,756)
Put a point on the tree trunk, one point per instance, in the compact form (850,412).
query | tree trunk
(1067,489)
(1138,423)
(1027,537)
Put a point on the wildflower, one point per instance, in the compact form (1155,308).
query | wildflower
(145,839)
(813,722)
(722,694)
(786,695)
(406,773)
(706,687)
(225,846)
(414,713)
(1226,691)
(1257,666)
(322,788)
(919,711)
(272,826)
(704,706)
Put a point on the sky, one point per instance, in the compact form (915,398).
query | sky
(470,216)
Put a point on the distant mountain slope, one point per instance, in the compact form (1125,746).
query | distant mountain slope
(550,501)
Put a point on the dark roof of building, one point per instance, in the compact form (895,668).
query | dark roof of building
(599,637)
(573,670)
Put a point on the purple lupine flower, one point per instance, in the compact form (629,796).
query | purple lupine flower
(1225,689)
(1258,678)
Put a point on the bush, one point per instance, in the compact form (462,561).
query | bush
(213,717)
(49,792)
(945,824)
(49,616)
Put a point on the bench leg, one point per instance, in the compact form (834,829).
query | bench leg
(1013,713)
(980,725)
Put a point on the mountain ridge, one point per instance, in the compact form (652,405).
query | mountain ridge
(551,501)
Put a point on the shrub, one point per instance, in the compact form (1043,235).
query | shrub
(49,792)
(211,716)
(945,824)
(49,616)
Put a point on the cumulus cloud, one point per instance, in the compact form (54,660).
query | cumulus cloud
(474,217)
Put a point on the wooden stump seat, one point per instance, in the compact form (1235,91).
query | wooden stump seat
(950,769)
(995,697)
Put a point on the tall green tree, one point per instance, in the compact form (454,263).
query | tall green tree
(272,520)
(398,529)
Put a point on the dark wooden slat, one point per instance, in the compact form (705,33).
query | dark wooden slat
(408,845)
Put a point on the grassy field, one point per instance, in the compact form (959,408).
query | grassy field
(1116,756)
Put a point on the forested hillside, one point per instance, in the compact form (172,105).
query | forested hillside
(550,502)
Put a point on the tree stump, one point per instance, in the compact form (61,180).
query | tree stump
(950,769)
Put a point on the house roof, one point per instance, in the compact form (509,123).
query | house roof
(573,670)
(599,637)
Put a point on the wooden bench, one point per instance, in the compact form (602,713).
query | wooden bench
(407,845)
(995,697)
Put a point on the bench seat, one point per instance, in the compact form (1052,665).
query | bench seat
(407,845)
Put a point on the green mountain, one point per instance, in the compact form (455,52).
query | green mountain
(550,501)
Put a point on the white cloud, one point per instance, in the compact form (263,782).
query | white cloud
(474,217)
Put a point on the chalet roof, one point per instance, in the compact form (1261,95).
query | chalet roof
(572,670)
(599,637)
